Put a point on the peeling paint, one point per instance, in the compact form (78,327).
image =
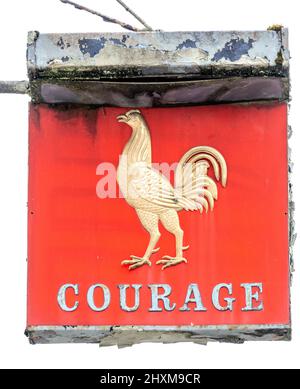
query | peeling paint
(91,46)
(234,49)
(187,44)
(124,38)
(61,43)
(65,59)
(118,42)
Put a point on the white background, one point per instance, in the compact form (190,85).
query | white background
(18,17)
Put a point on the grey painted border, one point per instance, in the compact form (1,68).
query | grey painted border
(157,53)
(123,336)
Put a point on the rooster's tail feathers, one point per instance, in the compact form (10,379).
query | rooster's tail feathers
(191,177)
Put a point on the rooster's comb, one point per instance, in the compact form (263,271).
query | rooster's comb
(133,111)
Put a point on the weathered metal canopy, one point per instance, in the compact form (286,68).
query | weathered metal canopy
(148,69)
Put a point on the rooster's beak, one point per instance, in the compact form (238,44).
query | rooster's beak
(122,119)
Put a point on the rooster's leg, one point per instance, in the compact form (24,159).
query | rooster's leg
(170,221)
(150,223)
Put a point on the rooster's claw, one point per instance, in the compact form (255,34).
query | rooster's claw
(136,262)
(170,261)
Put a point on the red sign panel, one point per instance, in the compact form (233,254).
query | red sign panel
(88,262)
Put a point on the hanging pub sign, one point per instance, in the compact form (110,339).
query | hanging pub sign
(158,204)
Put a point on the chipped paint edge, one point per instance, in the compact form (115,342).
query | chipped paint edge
(207,54)
(123,336)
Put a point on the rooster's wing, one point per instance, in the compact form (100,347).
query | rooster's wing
(150,185)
